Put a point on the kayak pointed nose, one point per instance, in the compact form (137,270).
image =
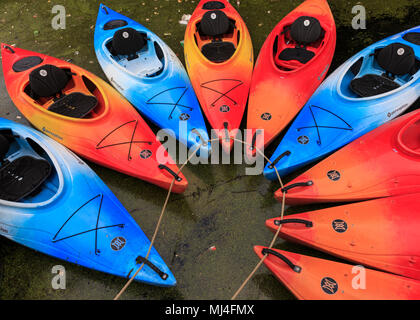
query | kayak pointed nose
(154,273)
(199,139)
(280,163)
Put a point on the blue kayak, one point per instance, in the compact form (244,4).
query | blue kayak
(52,202)
(370,89)
(149,74)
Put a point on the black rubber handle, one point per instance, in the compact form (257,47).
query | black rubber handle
(307,223)
(292,266)
(284,154)
(9,48)
(177,177)
(295,185)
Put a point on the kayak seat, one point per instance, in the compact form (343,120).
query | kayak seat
(303,32)
(50,81)
(371,85)
(215,25)
(74,105)
(4,146)
(128,42)
(394,60)
(22,177)
(299,54)
(218,51)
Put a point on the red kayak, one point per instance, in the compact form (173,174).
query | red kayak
(382,163)
(310,278)
(381,233)
(87,115)
(292,63)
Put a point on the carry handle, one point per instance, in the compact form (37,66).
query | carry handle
(295,185)
(307,223)
(292,266)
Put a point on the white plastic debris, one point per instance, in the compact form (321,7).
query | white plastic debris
(185,18)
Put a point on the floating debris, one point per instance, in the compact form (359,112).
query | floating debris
(185,19)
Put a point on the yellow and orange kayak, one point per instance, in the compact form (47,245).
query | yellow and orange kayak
(84,113)
(219,58)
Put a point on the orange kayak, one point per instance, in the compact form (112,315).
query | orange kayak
(382,163)
(286,77)
(82,112)
(310,278)
(219,58)
(381,233)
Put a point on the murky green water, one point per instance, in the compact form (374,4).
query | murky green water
(222,207)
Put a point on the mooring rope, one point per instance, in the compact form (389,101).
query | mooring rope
(166,204)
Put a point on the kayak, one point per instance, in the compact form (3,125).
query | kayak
(382,163)
(370,89)
(149,74)
(219,58)
(52,202)
(82,112)
(380,233)
(286,77)
(310,278)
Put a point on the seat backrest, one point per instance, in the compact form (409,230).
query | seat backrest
(214,23)
(396,58)
(305,30)
(128,41)
(48,80)
(4,146)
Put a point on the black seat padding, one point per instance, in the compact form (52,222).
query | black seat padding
(212,5)
(22,177)
(214,23)
(305,30)
(396,58)
(114,24)
(413,37)
(371,85)
(128,41)
(300,54)
(75,105)
(4,146)
(218,51)
(26,63)
(48,80)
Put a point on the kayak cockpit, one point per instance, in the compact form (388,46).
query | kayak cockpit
(27,174)
(136,53)
(217,36)
(380,71)
(409,137)
(64,92)
(298,43)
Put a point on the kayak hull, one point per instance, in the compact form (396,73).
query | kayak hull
(115,136)
(276,95)
(376,165)
(167,99)
(379,233)
(222,88)
(320,279)
(332,117)
(83,222)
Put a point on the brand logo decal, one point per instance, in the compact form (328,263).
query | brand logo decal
(224,109)
(339,226)
(118,243)
(51,133)
(303,140)
(145,154)
(329,285)
(266,116)
(184,117)
(400,109)
(334,175)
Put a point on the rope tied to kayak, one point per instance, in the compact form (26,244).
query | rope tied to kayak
(144,260)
